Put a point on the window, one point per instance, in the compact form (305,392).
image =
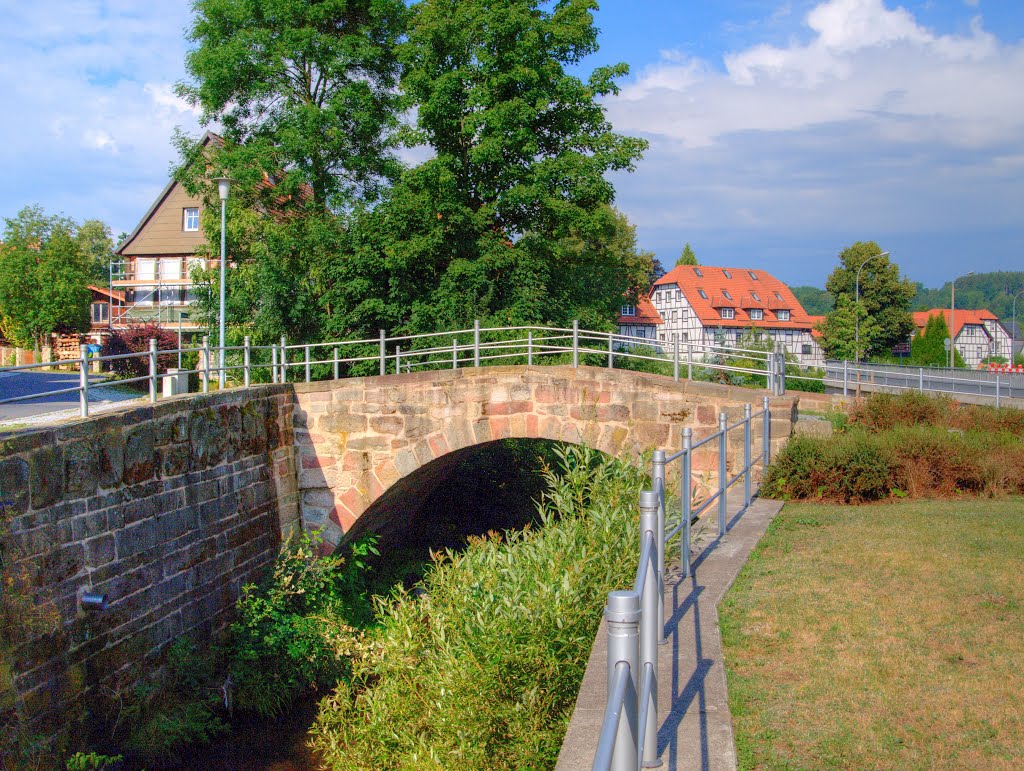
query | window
(752,274)
(170,268)
(778,295)
(169,295)
(685,314)
(662,337)
(805,349)
(754,295)
(728,313)
(727,295)
(686,337)
(679,294)
(145,269)
(783,315)
(702,293)
(789,334)
(628,310)
(675,315)
(727,273)
(190,220)
(756,314)
(698,273)
(657,296)
(99,312)
(144,295)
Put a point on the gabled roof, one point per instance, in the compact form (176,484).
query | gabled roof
(738,288)
(815,321)
(978,317)
(646,313)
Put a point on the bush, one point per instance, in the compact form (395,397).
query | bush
(135,339)
(883,412)
(483,669)
(850,468)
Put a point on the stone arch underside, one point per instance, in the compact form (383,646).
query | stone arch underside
(357,438)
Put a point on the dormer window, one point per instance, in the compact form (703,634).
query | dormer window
(698,273)
(778,295)
(702,293)
(628,310)
(756,314)
(726,273)
(752,274)
(782,315)
(754,295)
(728,313)
(726,293)
(190,220)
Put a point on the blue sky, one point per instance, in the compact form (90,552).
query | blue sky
(780,131)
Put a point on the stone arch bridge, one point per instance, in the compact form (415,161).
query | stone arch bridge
(362,443)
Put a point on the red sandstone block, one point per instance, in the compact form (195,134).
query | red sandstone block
(317,461)
(374,487)
(500,428)
(343,518)
(353,502)
(532,425)
(506,408)
(438,445)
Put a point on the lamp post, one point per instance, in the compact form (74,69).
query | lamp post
(223,189)
(856,309)
(1013,330)
(952,320)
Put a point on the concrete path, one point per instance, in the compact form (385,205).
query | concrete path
(695,726)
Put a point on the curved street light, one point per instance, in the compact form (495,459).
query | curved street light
(952,319)
(223,189)
(856,310)
(1013,331)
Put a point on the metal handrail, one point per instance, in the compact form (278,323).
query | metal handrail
(636,618)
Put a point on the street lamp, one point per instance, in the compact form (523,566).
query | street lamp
(223,189)
(952,320)
(856,310)
(1013,331)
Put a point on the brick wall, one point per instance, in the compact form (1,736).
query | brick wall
(168,510)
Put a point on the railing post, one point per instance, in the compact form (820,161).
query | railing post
(997,390)
(611,351)
(307,362)
(455,353)
(723,446)
(575,344)
(336,364)
(650,634)
(273,363)
(83,380)
(686,501)
(675,357)
(746,454)
(658,479)
(205,355)
(767,438)
(529,348)
(921,379)
(689,361)
(398,360)
(153,384)
(622,614)
(383,354)
(846,378)
(246,361)
(284,359)
(476,343)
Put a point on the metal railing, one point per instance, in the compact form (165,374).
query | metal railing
(933,380)
(476,346)
(636,617)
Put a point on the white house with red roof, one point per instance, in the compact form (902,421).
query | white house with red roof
(707,305)
(978,334)
(640,320)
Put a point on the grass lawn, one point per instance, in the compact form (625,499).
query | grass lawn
(882,636)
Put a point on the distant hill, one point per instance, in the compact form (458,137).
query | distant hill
(816,302)
(993,291)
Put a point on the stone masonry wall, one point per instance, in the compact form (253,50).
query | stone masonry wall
(357,438)
(168,510)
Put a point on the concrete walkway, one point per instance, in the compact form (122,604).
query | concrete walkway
(695,726)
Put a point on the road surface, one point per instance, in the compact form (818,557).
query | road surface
(26,383)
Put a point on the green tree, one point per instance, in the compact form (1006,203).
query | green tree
(43,277)
(929,348)
(815,301)
(489,227)
(96,246)
(305,92)
(687,257)
(885,300)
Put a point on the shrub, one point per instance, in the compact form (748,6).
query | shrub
(882,412)
(135,339)
(850,468)
(482,671)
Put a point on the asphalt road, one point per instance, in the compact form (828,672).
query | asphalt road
(27,383)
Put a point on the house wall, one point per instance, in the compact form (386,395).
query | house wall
(976,342)
(164,233)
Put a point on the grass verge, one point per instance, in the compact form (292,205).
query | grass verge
(882,636)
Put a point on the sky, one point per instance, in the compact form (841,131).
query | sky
(780,132)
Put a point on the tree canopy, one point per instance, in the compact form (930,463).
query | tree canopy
(884,307)
(687,257)
(929,348)
(45,270)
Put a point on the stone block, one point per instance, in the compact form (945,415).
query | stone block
(100,551)
(174,460)
(139,455)
(111,461)
(341,423)
(46,472)
(81,467)
(136,539)
(14,485)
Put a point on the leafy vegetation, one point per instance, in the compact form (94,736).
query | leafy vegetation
(481,670)
(929,349)
(881,636)
(135,339)
(817,302)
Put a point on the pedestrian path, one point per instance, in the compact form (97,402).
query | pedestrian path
(695,730)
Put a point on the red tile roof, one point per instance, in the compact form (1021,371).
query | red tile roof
(746,287)
(816,320)
(962,317)
(646,313)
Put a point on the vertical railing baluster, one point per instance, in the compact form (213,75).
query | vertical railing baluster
(307,363)
(686,501)
(455,353)
(575,344)
(83,380)
(611,351)
(846,378)
(152,370)
(767,438)
(398,360)
(284,359)
(273,363)
(689,361)
(658,479)
(337,364)
(622,614)
(650,635)
(476,343)
(722,473)
(529,348)
(383,353)
(746,454)
(246,361)
(205,354)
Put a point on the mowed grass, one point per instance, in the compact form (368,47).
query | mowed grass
(882,636)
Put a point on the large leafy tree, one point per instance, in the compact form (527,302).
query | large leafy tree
(885,300)
(492,225)
(305,91)
(44,276)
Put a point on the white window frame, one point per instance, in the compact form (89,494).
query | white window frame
(756,314)
(628,310)
(190,219)
(728,313)
(145,268)
(782,315)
